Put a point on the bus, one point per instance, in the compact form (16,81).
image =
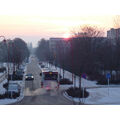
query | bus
(49,79)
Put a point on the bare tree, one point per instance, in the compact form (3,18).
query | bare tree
(88,31)
(116,21)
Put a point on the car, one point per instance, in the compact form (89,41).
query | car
(13,90)
(40,63)
(29,77)
(42,66)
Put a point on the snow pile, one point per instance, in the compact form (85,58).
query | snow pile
(100,96)
(11,101)
(103,96)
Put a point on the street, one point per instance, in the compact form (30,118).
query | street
(35,95)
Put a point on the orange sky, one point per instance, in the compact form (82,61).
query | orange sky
(35,19)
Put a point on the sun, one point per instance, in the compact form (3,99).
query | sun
(66,35)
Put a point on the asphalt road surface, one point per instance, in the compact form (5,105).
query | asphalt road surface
(35,95)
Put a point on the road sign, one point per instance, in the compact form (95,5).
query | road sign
(108,75)
(84,75)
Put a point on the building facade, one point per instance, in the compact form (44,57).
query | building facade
(113,33)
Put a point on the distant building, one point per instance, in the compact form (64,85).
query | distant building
(57,43)
(113,33)
(30,47)
(53,42)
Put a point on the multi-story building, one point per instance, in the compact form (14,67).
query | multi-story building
(57,43)
(113,33)
(53,43)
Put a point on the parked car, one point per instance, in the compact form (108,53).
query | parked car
(29,77)
(13,90)
(42,66)
(40,63)
(19,74)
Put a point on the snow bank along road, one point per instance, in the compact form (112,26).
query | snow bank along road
(2,77)
(35,95)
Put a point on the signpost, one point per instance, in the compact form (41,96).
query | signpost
(108,76)
(74,81)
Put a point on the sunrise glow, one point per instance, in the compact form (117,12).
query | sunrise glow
(35,19)
(67,35)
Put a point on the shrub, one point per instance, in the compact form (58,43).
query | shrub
(8,95)
(15,77)
(5,85)
(105,82)
(65,81)
(2,69)
(76,92)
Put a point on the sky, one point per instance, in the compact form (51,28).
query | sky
(32,20)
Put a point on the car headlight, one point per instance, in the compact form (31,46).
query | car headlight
(32,76)
(26,77)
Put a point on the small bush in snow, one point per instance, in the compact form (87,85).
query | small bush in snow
(5,85)
(8,95)
(2,69)
(77,93)
(66,81)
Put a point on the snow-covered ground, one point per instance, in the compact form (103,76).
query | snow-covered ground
(100,96)
(11,101)
(96,95)
(103,96)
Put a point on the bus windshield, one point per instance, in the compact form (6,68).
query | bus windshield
(50,76)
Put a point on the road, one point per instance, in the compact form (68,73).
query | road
(35,95)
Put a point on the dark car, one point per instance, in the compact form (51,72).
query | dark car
(29,77)
(42,66)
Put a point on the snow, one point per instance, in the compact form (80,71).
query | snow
(2,90)
(21,83)
(96,95)
(100,96)
(64,87)
(1,73)
(11,101)
(2,76)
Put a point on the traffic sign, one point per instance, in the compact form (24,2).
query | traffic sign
(84,75)
(108,75)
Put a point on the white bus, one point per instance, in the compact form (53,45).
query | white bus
(49,79)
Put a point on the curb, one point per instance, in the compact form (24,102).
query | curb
(69,97)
